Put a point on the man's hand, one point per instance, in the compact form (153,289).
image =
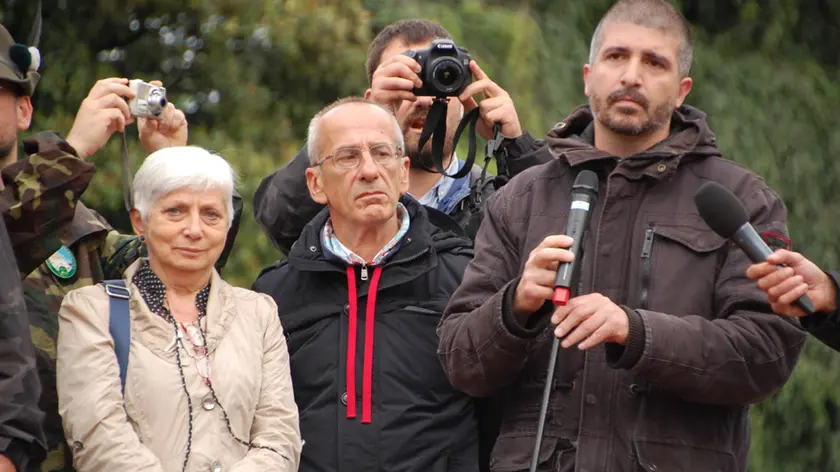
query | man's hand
(536,285)
(170,131)
(592,319)
(6,465)
(784,286)
(394,80)
(102,112)
(496,107)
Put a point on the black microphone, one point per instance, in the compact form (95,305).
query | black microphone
(584,194)
(726,215)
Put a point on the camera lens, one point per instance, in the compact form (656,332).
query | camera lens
(447,75)
(157,101)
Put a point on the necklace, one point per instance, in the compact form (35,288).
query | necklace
(197,337)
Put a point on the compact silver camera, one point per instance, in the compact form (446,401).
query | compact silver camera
(149,100)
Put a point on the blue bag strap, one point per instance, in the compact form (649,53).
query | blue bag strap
(119,323)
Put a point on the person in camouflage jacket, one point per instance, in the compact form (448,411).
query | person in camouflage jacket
(22,440)
(60,243)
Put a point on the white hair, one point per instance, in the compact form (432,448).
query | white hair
(178,168)
(313,143)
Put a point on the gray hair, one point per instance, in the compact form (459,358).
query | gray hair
(658,14)
(313,143)
(178,168)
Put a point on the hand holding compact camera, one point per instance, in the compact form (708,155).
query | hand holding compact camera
(113,103)
(104,111)
(159,123)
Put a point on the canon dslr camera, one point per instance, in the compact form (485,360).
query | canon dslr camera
(149,100)
(445,69)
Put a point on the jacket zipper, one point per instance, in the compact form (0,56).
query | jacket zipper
(647,249)
(364,271)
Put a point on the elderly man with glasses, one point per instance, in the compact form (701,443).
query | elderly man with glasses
(360,297)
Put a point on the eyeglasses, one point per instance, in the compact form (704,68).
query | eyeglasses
(350,158)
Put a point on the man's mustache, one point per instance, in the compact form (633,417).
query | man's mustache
(632,94)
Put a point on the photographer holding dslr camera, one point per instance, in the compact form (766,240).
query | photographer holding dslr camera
(407,74)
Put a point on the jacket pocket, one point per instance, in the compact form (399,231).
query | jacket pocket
(514,453)
(679,261)
(299,338)
(665,457)
(423,311)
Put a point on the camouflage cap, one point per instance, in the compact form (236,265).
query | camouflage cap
(18,63)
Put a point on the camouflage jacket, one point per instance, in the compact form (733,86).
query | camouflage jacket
(21,433)
(70,246)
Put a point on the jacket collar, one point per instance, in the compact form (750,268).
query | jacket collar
(307,252)
(417,254)
(573,140)
(158,334)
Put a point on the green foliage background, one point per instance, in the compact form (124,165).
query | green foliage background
(250,74)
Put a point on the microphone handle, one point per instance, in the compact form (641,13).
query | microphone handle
(575,228)
(758,251)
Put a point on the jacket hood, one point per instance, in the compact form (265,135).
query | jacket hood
(573,138)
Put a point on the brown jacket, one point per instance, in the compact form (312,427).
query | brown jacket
(148,428)
(703,343)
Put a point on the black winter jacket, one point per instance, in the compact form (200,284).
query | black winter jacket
(408,417)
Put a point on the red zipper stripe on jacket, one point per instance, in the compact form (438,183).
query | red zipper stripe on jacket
(368,360)
(351,342)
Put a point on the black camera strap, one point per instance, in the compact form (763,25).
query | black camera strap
(435,127)
(126,175)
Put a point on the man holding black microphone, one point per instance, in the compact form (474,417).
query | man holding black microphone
(665,341)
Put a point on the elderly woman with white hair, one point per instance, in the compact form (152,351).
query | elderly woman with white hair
(207,384)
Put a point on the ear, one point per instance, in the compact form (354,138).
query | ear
(315,184)
(685,87)
(24,113)
(368,93)
(403,177)
(586,69)
(137,223)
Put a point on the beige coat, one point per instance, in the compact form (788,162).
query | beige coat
(148,429)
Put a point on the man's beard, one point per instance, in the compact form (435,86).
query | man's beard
(624,124)
(7,149)
(422,158)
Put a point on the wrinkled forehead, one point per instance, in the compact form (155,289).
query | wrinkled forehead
(189,196)
(661,41)
(357,125)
